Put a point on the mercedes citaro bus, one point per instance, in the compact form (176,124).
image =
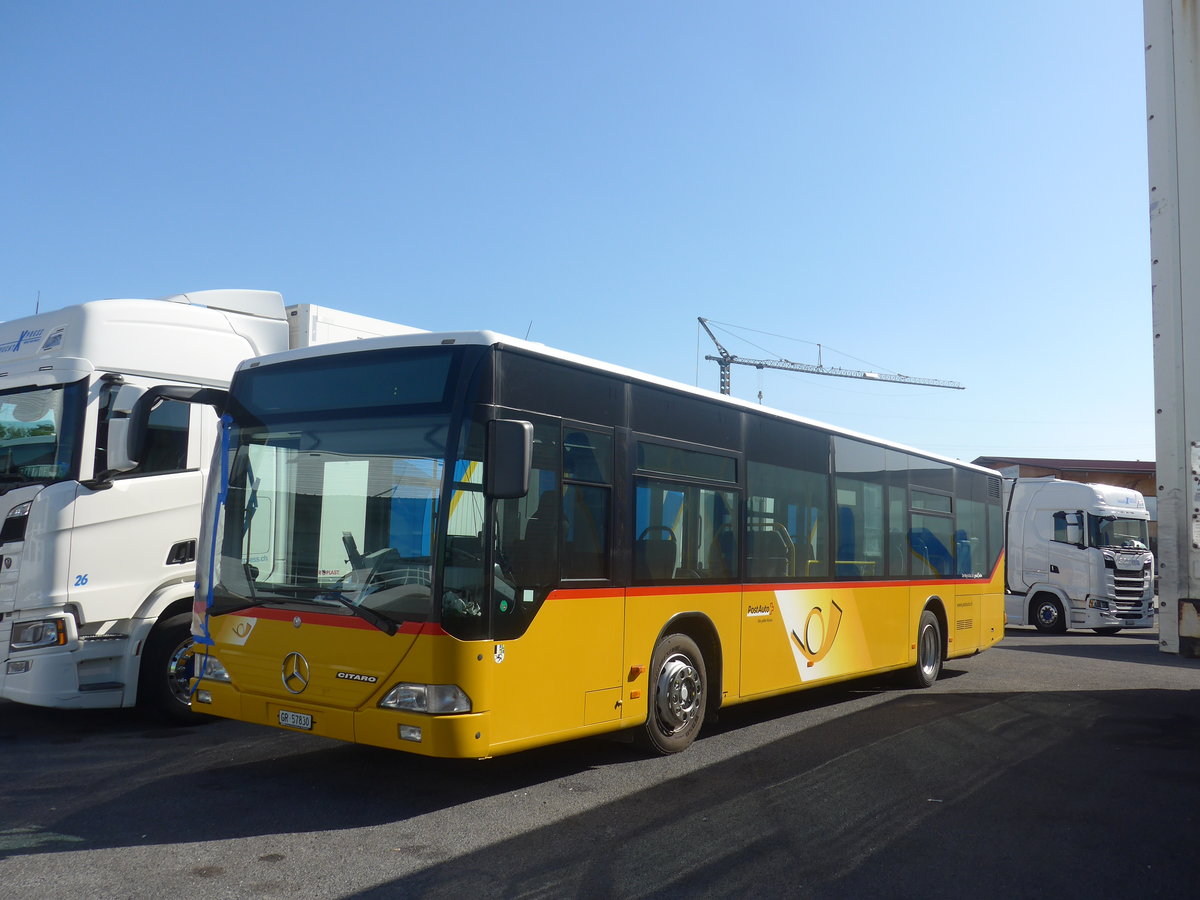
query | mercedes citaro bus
(464,545)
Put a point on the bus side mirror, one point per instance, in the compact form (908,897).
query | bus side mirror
(508,459)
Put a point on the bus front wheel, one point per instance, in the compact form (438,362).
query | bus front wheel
(678,692)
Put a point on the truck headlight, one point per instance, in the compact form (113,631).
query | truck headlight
(438,699)
(42,633)
(209,668)
(1097,603)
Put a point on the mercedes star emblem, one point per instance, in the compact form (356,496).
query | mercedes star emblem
(295,673)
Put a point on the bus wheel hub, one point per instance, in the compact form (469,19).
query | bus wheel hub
(678,692)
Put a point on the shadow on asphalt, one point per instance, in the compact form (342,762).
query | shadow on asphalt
(999,794)
(933,795)
(1126,647)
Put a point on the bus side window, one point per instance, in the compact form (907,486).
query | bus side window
(788,528)
(587,502)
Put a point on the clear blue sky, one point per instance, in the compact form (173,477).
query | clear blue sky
(943,189)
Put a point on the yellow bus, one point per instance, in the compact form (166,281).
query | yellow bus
(465,545)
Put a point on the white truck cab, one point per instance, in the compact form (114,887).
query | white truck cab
(1077,556)
(97,551)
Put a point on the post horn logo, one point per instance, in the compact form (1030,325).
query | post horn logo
(818,639)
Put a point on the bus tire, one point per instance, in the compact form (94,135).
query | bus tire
(166,671)
(677,692)
(929,652)
(1047,614)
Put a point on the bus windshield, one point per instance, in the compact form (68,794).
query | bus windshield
(38,434)
(1112,531)
(329,512)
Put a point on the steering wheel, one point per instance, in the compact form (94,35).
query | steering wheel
(652,529)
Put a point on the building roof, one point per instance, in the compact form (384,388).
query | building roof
(1069,465)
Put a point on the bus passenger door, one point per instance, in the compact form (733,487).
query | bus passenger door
(557,620)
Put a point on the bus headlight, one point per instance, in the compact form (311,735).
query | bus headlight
(42,633)
(438,699)
(209,668)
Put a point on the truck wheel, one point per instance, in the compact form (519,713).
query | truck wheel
(166,672)
(678,692)
(1048,615)
(929,652)
(1107,629)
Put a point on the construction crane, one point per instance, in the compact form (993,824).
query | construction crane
(727,360)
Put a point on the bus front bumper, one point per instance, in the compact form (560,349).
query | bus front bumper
(462,736)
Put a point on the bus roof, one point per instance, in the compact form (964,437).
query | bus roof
(496,339)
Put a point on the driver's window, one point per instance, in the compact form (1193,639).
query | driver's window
(528,533)
(1068,528)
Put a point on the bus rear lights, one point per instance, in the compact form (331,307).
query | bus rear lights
(42,633)
(438,699)
(410,733)
(19,667)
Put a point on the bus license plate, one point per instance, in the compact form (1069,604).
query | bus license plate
(295,720)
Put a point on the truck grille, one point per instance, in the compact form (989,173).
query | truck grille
(1129,586)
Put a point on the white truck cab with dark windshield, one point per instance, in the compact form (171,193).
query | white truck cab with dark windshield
(1077,556)
(97,550)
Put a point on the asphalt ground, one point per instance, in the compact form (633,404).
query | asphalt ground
(1050,765)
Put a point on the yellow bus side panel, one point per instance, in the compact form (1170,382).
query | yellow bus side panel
(796,636)
(565,672)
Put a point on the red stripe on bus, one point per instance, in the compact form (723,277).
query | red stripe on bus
(681,589)
(333,620)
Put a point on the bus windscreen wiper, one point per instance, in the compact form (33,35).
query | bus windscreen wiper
(382,622)
(280,595)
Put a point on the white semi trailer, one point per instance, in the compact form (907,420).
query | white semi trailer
(97,551)
(1173,130)
(1077,556)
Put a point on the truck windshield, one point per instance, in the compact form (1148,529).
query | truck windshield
(39,430)
(1112,531)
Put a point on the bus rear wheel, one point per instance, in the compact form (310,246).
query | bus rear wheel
(929,652)
(678,692)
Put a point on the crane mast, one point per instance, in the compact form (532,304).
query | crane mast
(727,360)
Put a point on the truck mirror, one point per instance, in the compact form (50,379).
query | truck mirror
(124,446)
(508,459)
(129,419)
